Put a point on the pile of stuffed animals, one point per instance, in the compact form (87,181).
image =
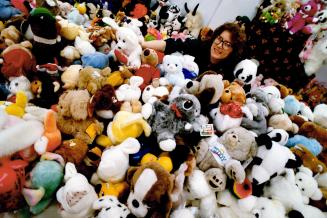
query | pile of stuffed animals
(94,123)
(308,17)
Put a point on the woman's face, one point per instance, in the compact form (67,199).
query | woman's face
(221,47)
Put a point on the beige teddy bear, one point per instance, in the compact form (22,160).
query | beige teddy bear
(73,117)
(93,79)
(11,35)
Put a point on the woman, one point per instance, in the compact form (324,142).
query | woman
(220,54)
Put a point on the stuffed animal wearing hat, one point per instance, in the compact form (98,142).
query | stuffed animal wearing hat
(45,34)
(46,177)
(151,186)
(181,115)
(76,197)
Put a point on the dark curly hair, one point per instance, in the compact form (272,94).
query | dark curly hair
(238,38)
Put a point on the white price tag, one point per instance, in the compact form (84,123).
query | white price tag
(207,130)
(219,152)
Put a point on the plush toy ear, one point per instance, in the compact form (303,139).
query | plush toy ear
(306,170)
(295,214)
(136,81)
(130,146)
(255,61)
(70,171)
(264,139)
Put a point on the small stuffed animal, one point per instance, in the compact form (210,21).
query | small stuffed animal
(70,76)
(46,178)
(270,97)
(233,92)
(207,157)
(216,178)
(246,72)
(270,154)
(76,197)
(114,161)
(151,186)
(84,46)
(69,54)
(320,116)
(310,143)
(312,130)
(131,91)
(164,160)
(92,79)
(127,43)
(303,17)
(20,83)
(7,10)
(181,115)
(194,21)
(96,60)
(73,150)
(109,206)
(295,107)
(317,57)
(282,121)
(172,67)
(239,143)
(308,159)
(10,35)
(197,187)
(258,124)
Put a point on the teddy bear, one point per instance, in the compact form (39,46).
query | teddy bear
(316,57)
(46,177)
(69,54)
(76,197)
(197,188)
(104,103)
(233,92)
(181,115)
(282,121)
(92,79)
(73,117)
(172,68)
(239,143)
(72,150)
(68,30)
(20,83)
(262,207)
(18,60)
(270,153)
(208,87)
(245,72)
(210,153)
(151,186)
(110,206)
(101,35)
(114,161)
(303,17)
(308,159)
(319,114)
(70,76)
(148,70)
(127,44)
(11,35)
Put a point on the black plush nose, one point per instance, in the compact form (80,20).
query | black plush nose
(189,84)
(135,203)
(119,47)
(146,52)
(256,215)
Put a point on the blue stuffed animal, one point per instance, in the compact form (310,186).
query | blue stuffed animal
(292,105)
(96,60)
(311,144)
(7,10)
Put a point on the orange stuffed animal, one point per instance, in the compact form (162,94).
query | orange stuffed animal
(233,92)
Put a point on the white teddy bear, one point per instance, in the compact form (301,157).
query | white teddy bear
(172,66)
(76,196)
(109,206)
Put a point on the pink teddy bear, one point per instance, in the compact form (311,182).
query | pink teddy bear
(303,17)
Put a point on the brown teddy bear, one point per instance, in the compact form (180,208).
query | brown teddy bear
(101,35)
(73,117)
(151,186)
(311,130)
(73,150)
(233,92)
(11,35)
(93,79)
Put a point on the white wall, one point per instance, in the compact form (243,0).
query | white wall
(217,12)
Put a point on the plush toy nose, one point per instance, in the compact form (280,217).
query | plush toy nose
(135,203)
(146,52)
(119,47)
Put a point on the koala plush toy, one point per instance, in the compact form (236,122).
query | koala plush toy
(181,115)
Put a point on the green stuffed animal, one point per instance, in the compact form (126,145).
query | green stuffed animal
(45,179)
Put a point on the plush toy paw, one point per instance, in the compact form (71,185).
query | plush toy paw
(167,145)
(235,170)
(146,110)
(40,145)
(188,126)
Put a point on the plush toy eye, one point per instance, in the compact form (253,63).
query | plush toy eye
(176,65)
(124,41)
(188,105)
(307,8)
(302,189)
(300,179)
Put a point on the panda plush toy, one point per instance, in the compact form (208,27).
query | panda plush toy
(245,72)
